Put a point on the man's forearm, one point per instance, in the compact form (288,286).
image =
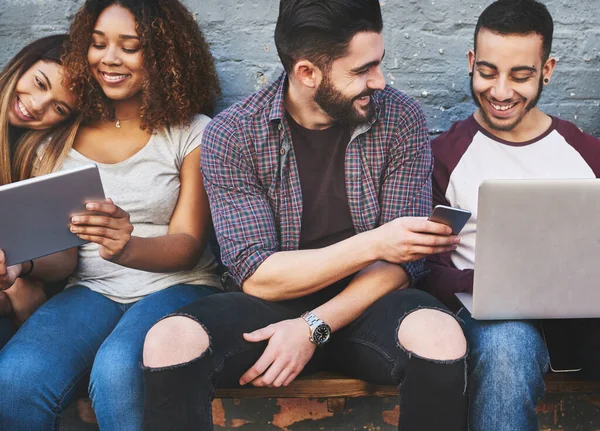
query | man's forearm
(293,274)
(371,284)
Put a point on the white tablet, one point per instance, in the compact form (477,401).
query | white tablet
(35,214)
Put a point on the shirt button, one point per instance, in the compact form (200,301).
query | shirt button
(280,126)
(282,152)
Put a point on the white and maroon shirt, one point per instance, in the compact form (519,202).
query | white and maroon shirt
(467,154)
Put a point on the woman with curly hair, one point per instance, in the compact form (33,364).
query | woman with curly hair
(147,79)
(33,103)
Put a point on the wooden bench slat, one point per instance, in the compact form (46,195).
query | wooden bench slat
(331,385)
(569,382)
(313,388)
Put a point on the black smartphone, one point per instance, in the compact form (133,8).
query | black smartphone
(456,218)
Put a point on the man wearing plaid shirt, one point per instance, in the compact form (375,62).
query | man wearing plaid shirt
(319,186)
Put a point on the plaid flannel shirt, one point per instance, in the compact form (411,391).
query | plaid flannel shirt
(252,181)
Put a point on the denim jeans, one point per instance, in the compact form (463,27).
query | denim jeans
(76,331)
(7,329)
(432,393)
(507,363)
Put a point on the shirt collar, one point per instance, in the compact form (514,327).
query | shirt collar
(278,107)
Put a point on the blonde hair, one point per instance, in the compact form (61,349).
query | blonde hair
(41,152)
(8,82)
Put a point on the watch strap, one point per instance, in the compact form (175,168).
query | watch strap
(312,320)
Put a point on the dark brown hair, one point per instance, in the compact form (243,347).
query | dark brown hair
(320,30)
(180,78)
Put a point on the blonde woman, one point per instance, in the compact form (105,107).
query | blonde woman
(33,103)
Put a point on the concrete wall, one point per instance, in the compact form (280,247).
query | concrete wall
(426,42)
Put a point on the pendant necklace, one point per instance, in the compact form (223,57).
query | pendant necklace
(118,122)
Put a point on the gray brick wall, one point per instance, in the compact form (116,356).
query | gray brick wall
(426,44)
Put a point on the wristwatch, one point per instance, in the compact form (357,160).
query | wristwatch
(319,330)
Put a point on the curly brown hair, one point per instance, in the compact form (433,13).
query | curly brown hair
(180,77)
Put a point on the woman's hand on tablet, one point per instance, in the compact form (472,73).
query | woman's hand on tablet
(109,226)
(8,275)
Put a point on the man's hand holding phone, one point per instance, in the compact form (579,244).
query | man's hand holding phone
(406,239)
(456,218)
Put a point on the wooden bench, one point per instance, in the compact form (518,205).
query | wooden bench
(337,388)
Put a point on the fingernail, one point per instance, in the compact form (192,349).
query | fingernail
(73,229)
(76,220)
(456,241)
(90,206)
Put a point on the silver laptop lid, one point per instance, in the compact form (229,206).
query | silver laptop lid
(538,249)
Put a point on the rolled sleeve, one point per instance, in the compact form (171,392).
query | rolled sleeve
(242,217)
(406,190)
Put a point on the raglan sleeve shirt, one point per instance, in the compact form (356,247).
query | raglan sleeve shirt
(444,279)
(467,154)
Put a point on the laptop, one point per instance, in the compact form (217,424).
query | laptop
(35,214)
(538,250)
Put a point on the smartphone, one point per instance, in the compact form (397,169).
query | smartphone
(456,218)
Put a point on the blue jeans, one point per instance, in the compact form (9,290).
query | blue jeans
(507,363)
(74,332)
(7,329)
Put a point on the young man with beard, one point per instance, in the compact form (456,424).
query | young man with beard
(319,186)
(508,137)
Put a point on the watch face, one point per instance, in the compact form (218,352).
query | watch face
(321,334)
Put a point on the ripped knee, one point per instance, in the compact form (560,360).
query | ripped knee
(432,334)
(173,341)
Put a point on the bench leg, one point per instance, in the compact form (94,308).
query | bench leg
(336,405)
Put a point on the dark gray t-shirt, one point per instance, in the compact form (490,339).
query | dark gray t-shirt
(320,156)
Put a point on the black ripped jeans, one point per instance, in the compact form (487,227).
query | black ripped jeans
(432,393)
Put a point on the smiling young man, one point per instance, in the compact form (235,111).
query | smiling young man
(508,137)
(319,186)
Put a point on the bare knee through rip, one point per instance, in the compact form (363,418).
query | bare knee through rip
(173,341)
(432,334)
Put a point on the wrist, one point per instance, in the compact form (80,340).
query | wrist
(26,268)
(320,332)
(124,257)
(372,246)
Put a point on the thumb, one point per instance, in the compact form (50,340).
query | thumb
(260,334)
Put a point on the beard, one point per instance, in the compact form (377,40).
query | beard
(508,127)
(340,107)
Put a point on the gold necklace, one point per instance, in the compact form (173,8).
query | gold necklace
(118,122)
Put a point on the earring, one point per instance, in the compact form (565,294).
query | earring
(546,80)
(470,73)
